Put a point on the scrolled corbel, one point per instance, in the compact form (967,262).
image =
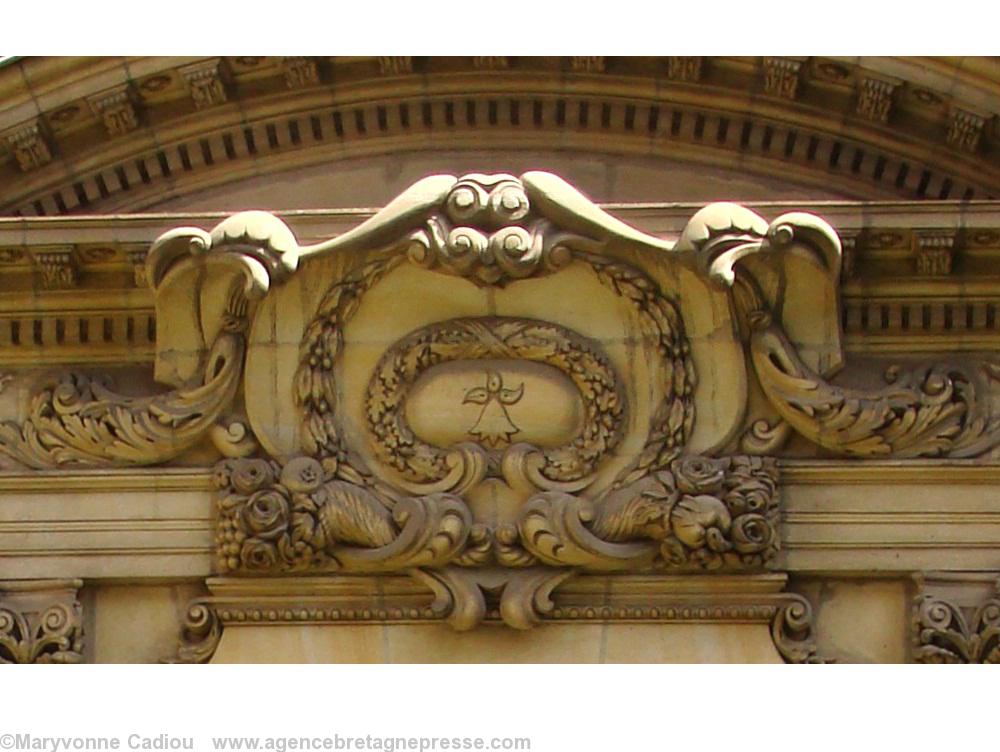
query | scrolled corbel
(201,633)
(792,632)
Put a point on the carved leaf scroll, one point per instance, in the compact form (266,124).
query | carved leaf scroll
(81,422)
(933,411)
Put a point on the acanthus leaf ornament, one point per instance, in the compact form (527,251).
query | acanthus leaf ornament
(943,634)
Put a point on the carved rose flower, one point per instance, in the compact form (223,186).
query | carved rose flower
(258,555)
(265,514)
(751,534)
(248,476)
(750,495)
(302,475)
(699,475)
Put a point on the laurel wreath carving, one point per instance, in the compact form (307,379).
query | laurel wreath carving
(494,338)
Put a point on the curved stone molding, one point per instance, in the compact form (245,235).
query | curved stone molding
(40,622)
(943,634)
(679,108)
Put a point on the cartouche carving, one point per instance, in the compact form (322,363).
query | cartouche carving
(942,634)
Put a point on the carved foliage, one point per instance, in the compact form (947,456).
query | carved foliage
(932,411)
(49,634)
(80,421)
(291,518)
(700,514)
(942,634)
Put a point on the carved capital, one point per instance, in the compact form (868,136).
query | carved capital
(684,68)
(782,76)
(956,621)
(29,145)
(207,82)
(117,109)
(875,99)
(300,72)
(40,622)
(965,129)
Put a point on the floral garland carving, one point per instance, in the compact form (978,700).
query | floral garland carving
(315,388)
(499,338)
(942,634)
(673,419)
(54,635)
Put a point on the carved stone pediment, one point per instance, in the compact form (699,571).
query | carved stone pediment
(493,385)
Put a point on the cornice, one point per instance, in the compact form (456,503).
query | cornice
(890,304)
(888,472)
(274,114)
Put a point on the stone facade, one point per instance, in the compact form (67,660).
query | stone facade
(496,420)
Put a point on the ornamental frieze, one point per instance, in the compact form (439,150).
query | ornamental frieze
(493,386)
